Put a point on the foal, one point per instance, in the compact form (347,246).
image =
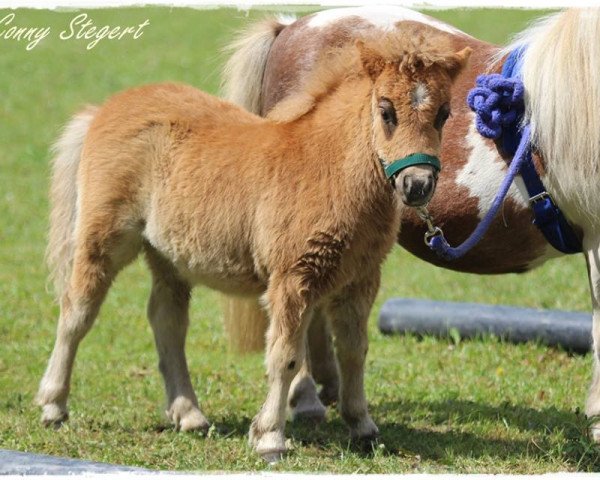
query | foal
(296,207)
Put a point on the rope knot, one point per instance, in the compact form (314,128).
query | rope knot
(497,102)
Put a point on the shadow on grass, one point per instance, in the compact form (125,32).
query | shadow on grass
(444,437)
(447,421)
(447,433)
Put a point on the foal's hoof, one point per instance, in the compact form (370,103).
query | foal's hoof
(187,416)
(269,445)
(364,430)
(272,458)
(329,394)
(194,421)
(304,403)
(595,433)
(54,415)
(309,413)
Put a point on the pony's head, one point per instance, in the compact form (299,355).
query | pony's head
(410,103)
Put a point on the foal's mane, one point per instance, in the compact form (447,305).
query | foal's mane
(416,46)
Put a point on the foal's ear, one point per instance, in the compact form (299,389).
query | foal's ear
(457,61)
(372,62)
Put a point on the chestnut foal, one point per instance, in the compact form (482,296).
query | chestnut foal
(296,207)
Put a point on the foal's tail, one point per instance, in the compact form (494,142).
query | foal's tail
(63,197)
(243,72)
(242,77)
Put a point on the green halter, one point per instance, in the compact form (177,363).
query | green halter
(409,161)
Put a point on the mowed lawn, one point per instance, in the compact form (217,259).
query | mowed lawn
(472,406)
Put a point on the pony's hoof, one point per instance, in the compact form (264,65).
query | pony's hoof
(54,415)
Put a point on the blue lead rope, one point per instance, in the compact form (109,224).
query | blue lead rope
(439,244)
(498,102)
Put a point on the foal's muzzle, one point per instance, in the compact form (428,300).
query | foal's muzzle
(415,176)
(417,189)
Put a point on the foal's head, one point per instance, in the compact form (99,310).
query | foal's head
(410,104)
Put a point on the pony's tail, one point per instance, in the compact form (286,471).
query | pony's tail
(63,198)
(243,72)
(245,322)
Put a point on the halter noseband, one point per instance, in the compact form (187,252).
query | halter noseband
(414,159)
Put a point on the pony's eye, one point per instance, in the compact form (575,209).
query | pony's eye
(388,115)
(442,116)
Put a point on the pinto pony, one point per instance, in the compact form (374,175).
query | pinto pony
(270,60)
(296,207)
(560,72)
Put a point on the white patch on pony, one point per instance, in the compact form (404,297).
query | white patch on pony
(382,16)
(418,95)
(484,171)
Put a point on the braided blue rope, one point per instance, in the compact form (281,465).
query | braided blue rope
(498,104)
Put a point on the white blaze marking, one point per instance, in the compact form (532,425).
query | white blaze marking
(418,95)
(484,171)
(384,17)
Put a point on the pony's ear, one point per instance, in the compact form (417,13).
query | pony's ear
(456,62)
(372,62)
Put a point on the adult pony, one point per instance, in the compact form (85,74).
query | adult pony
(561,78)
(297,207)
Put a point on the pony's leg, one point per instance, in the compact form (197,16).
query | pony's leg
(322,358)
(592,248)
(168,314)
(349,313)
(93,271)
(303,401)
(285,353)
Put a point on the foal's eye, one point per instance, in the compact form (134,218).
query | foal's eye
(388,115)
(442,116)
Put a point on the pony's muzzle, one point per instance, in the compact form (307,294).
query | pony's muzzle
(417,186)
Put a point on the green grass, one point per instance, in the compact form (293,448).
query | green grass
(478,406)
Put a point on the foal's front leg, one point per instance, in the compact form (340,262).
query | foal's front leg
(349,313)
(285,353)
(592,249)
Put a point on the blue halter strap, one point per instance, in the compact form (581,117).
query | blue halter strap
(547,216)
(499,105)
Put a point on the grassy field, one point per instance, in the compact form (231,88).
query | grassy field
(480,406)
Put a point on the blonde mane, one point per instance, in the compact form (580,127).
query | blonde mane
(561,73)
(415,46)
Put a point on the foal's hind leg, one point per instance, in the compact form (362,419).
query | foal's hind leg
(168,314)
(349,313)
(96,263)
(592,248)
